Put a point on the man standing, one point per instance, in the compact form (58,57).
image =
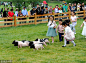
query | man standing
(32,12)
(5,14)
(25,13)
(65,8)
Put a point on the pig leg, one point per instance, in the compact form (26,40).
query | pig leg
(21,46)
(37,48)
(18,46)
(41,48)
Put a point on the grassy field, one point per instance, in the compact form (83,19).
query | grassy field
(53,53)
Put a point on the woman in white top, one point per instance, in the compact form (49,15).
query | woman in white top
(51,28)
(68,35)
(84,28)
(16,12)
(78,7)
(74,21)
(56,9)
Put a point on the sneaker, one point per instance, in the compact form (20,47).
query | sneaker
(75,45)
(63,46)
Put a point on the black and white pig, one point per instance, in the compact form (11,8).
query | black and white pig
(46,40)
(23,43)
(36,45)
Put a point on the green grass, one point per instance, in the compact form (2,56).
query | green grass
(53,53)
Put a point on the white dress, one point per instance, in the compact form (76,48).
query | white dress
(69,34)
(84,29)
(51,24)
(74,18)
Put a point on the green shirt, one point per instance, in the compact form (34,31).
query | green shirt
(65,7)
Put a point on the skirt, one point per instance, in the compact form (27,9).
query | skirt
(70,37)
(84,31)
(51,32)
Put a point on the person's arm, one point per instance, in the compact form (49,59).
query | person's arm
(81,25)
(55,24)
(8,14)
(2,14)
(48,24)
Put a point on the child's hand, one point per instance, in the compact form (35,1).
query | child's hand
(62,35)
(80,27)
(56,31)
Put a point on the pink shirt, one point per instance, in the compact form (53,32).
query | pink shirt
(60,29)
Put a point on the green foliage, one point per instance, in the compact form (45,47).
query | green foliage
(19,3)
(75,1)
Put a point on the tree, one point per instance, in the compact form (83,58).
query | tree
(19,3)
(75,1)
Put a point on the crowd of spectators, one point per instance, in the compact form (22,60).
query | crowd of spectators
(44,8)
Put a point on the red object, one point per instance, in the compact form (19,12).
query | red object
(10,14)
(44,2)
(53,8)
(58,8)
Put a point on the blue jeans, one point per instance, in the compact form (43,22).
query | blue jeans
(61,37)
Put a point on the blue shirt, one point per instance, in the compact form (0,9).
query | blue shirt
(24,12)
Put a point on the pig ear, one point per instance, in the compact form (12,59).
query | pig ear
(36,39)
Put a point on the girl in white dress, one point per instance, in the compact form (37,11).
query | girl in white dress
(84,28)
(51,28)
(68,35)
(74,21)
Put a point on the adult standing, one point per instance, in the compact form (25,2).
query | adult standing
(50,10)
(32,12)
(25,13)
(65,8)
(83,6)
(69,7)
(20,15)
(16,12)
(75,7)
(38,9)
(10,14)
(5,14)
(57,9)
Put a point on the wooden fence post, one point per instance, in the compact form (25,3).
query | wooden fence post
(53,15)
(69,14)
(84,13)
(35,19)
(15,21)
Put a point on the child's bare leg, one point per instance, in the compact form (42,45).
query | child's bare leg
(52,39)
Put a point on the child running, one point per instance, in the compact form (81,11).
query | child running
(84,28)
(52,28)
(60,29)
(68,35)
(74,21)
